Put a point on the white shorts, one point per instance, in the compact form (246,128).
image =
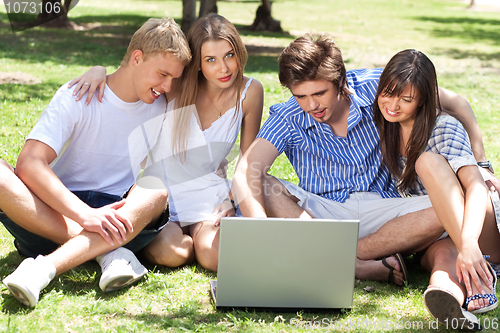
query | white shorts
(369,208)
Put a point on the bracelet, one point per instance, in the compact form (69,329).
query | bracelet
(487,165)
(235,205)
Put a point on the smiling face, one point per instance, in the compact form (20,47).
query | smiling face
(154,75)
(402,108)
(319,98)
(218,63)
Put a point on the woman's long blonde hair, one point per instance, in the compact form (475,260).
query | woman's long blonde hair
(212,27)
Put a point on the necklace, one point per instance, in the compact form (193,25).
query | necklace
(220,111)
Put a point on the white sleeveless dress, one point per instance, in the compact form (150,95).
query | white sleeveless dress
(194,188)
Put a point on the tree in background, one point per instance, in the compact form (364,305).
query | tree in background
(55,14)
(189,11)
(263,19)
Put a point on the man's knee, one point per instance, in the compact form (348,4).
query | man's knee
(6,175)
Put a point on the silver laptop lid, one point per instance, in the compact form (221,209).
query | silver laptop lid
(286,263)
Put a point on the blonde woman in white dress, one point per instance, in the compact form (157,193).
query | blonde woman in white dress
(207,107)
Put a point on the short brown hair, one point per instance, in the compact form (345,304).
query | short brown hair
(309,59)
(159,36)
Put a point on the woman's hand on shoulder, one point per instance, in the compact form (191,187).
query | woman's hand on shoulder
(93,79)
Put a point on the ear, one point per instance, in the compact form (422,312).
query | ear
(137,57)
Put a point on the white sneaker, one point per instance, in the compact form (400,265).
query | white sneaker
(30,277)
(120,268)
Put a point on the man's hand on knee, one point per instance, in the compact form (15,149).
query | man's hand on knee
(108,222)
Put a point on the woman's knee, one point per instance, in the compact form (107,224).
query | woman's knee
(170,248)
(206,245)
(429,162)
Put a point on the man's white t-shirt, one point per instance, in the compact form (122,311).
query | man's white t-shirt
(92,142)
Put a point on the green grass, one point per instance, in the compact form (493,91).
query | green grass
(465,47)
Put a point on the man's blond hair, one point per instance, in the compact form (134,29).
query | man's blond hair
(158,36)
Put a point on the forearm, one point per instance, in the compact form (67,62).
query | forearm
(476,200)
(460,106)
(42,181)
(248,188)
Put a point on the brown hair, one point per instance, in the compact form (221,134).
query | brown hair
(212,27)
(159,36)
(408,67)
(307,59)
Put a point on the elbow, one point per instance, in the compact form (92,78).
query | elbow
(22,169)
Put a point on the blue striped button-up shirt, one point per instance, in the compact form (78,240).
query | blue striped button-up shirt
(328,165)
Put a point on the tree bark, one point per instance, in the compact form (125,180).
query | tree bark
(263,19)
(55,20)
(189,11)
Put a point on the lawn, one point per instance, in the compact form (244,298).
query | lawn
(464,46)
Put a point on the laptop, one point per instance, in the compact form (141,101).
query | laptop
(286,264)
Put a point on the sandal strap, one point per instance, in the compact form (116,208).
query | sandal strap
(492,298)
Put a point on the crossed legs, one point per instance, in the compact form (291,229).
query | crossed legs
(143,205)
(280,203)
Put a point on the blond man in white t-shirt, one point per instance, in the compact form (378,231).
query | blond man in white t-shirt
(63,201)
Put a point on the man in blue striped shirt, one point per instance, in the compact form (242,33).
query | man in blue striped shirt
(327,131)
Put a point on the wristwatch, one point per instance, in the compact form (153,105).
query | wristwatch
(486,165)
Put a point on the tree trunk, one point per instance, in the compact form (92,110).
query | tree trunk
(55,18)
(189,11)
(263,19)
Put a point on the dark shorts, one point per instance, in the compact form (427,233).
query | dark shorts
(29,244)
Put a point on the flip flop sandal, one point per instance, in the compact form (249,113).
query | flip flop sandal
(401,262)
(492,298)
(444,307)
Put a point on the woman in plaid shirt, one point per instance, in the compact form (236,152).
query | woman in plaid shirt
(429,152)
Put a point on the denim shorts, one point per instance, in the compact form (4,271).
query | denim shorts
(29,244)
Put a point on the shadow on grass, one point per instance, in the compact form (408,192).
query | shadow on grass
(104,42)
(467,54)
(20,93)
(477,30)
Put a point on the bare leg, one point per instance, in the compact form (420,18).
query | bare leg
(171,248)
(490,237)
(206,244)
(280,203)
(375,270)
(409,233)
(142,206)
(28,211)
(449,201)
(445,192)
(439,259)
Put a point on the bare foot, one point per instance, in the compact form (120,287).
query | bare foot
(375,270)
(479,303)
